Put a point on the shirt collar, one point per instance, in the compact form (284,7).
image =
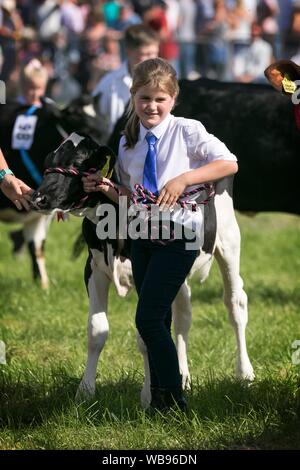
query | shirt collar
(158,130)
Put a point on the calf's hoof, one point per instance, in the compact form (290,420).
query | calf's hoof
(245,372)
(84,393)
(186,381)
(145,397)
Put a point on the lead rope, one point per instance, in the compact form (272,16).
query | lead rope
(140,195)
(143,196)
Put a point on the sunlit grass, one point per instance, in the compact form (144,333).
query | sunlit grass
(45,337)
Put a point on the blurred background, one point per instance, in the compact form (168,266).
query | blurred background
(79,41)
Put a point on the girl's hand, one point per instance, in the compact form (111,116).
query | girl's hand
(95,182)
(171,192)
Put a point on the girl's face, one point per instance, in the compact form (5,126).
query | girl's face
(152,105)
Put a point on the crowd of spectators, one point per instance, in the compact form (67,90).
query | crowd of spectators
(79,41)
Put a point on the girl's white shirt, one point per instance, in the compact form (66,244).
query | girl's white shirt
(183,145)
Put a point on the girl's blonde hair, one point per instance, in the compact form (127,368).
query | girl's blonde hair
(155,73)
(31,71)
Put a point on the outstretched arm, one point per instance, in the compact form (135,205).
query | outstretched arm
(13,188)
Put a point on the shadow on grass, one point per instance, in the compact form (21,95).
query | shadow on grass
(31,401)
(286,437)
(25,402)
(265,415)
(274,404)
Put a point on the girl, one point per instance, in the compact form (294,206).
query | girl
(183,155)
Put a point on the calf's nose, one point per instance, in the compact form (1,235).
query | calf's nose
(38,200)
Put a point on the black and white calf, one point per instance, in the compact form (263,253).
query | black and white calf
(27,135)
(108,260)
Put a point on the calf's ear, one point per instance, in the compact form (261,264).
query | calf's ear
(103,160)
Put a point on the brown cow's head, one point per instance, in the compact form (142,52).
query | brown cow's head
(282,76)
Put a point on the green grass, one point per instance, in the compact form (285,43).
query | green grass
(45,337)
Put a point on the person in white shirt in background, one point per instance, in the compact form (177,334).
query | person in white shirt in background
(184,154)
(112,93)
(249,64)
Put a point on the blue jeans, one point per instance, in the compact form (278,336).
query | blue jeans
(158,272)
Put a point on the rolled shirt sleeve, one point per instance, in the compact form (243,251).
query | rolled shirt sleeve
(203,146)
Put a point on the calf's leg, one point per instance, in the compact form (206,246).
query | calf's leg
(98,287)
(146,389)
(227,254)
(35,230)
(17,238)
(182,320)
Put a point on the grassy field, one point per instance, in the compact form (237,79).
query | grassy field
(45,337)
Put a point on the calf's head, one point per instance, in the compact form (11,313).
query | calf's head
(62,187)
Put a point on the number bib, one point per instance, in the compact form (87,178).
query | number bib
(23,132)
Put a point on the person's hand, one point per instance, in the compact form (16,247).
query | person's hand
(95,182)
(17,191)
(171,192)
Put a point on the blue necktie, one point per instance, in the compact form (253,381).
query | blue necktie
(150,176)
